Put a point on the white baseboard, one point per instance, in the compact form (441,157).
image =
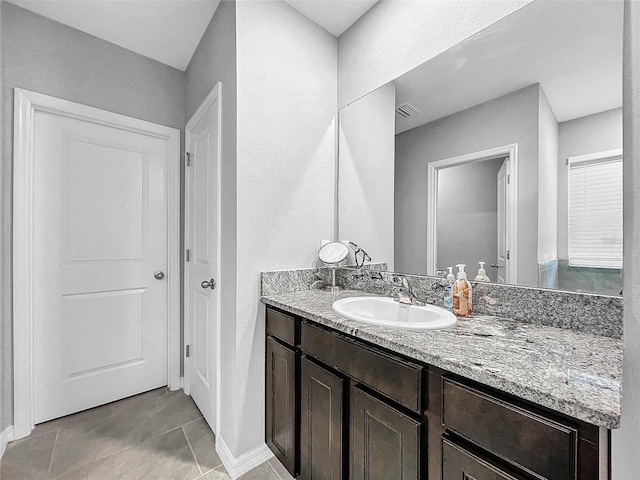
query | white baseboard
(5,437)
(245,462)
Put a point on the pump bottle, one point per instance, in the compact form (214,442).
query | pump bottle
(462,294)
(447,299)
(482,274)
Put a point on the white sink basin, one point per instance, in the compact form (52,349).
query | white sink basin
(386,312)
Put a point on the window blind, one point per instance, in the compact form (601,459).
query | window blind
(595,210)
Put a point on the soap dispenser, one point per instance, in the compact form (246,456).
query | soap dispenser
(482,274)
(462,294)
(447,299)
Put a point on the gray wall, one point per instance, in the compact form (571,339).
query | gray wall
(626,440)
(468,216)
(215,60)
(47,57)
(367,137)
(547,182)
(590,134)
(512,118)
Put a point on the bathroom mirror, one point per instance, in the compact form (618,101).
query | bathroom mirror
(505,149)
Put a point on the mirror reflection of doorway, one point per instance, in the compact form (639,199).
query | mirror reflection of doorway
(471,219)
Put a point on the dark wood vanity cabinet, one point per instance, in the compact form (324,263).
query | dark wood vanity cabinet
(282,399)
(461,464)
(339,408)
(385,442)
(322,415)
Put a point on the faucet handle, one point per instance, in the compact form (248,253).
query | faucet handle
(401,279)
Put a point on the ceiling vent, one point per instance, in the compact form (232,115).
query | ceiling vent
(407,110)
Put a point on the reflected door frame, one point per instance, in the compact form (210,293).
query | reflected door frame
(27,103)
(511,153)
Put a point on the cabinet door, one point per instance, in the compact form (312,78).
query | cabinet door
(385,443)
(460,464)
(280,399)
(322,407)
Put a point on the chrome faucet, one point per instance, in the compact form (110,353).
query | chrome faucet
(405,294)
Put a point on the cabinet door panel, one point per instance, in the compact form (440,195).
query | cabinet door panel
(280,403)
(385,443)
(460,464)
(322,407)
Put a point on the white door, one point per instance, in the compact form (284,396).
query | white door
(100,232)
(503,253)
(202,241)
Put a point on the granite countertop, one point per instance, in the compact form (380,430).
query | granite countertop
(577,374)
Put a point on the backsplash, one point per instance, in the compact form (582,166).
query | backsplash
(286,281)
(585,313)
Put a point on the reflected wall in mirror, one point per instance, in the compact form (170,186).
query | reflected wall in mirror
(498,150)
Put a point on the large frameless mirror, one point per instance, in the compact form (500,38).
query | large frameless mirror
(505,149)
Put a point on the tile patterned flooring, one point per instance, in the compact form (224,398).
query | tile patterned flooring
(155,435)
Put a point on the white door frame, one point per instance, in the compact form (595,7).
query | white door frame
(27,103)
(215,93)
(509,151)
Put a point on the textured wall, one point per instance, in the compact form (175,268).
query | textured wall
(512,118)
(626,440)
(590,134)
(5,412)
(287,82)
(47,57)
(396,36)
(367,137)
(215,60)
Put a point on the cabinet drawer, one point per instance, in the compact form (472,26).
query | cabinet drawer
(281,326)
(395,378)
(460,464)
(537,444)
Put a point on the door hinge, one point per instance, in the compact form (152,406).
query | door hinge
(187,351)
(187,157)
(508,255)
(508,178)
(188,255)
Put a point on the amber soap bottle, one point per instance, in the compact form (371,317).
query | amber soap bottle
(462,294)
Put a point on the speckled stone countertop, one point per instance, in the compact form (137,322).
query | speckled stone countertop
(577,374)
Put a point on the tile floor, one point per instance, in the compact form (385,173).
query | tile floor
(154,435)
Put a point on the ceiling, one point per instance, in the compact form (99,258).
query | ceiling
(169,30)
(573,49)
(335,16)
(165,30)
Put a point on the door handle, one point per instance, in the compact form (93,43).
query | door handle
(495,265)
(159,275)
(209,284)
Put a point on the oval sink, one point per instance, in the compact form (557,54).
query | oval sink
(386,312)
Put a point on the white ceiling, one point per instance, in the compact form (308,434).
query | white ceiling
(335,16)
(165,30)
(573,49)
(169,30)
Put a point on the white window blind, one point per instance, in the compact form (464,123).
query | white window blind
(595,210)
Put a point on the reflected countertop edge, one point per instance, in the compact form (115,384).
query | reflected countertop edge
(577,374)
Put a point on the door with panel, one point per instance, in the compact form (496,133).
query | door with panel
(202,300)
(385,442)
(322,422)
(100,231)
(503,253)
(280,402)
